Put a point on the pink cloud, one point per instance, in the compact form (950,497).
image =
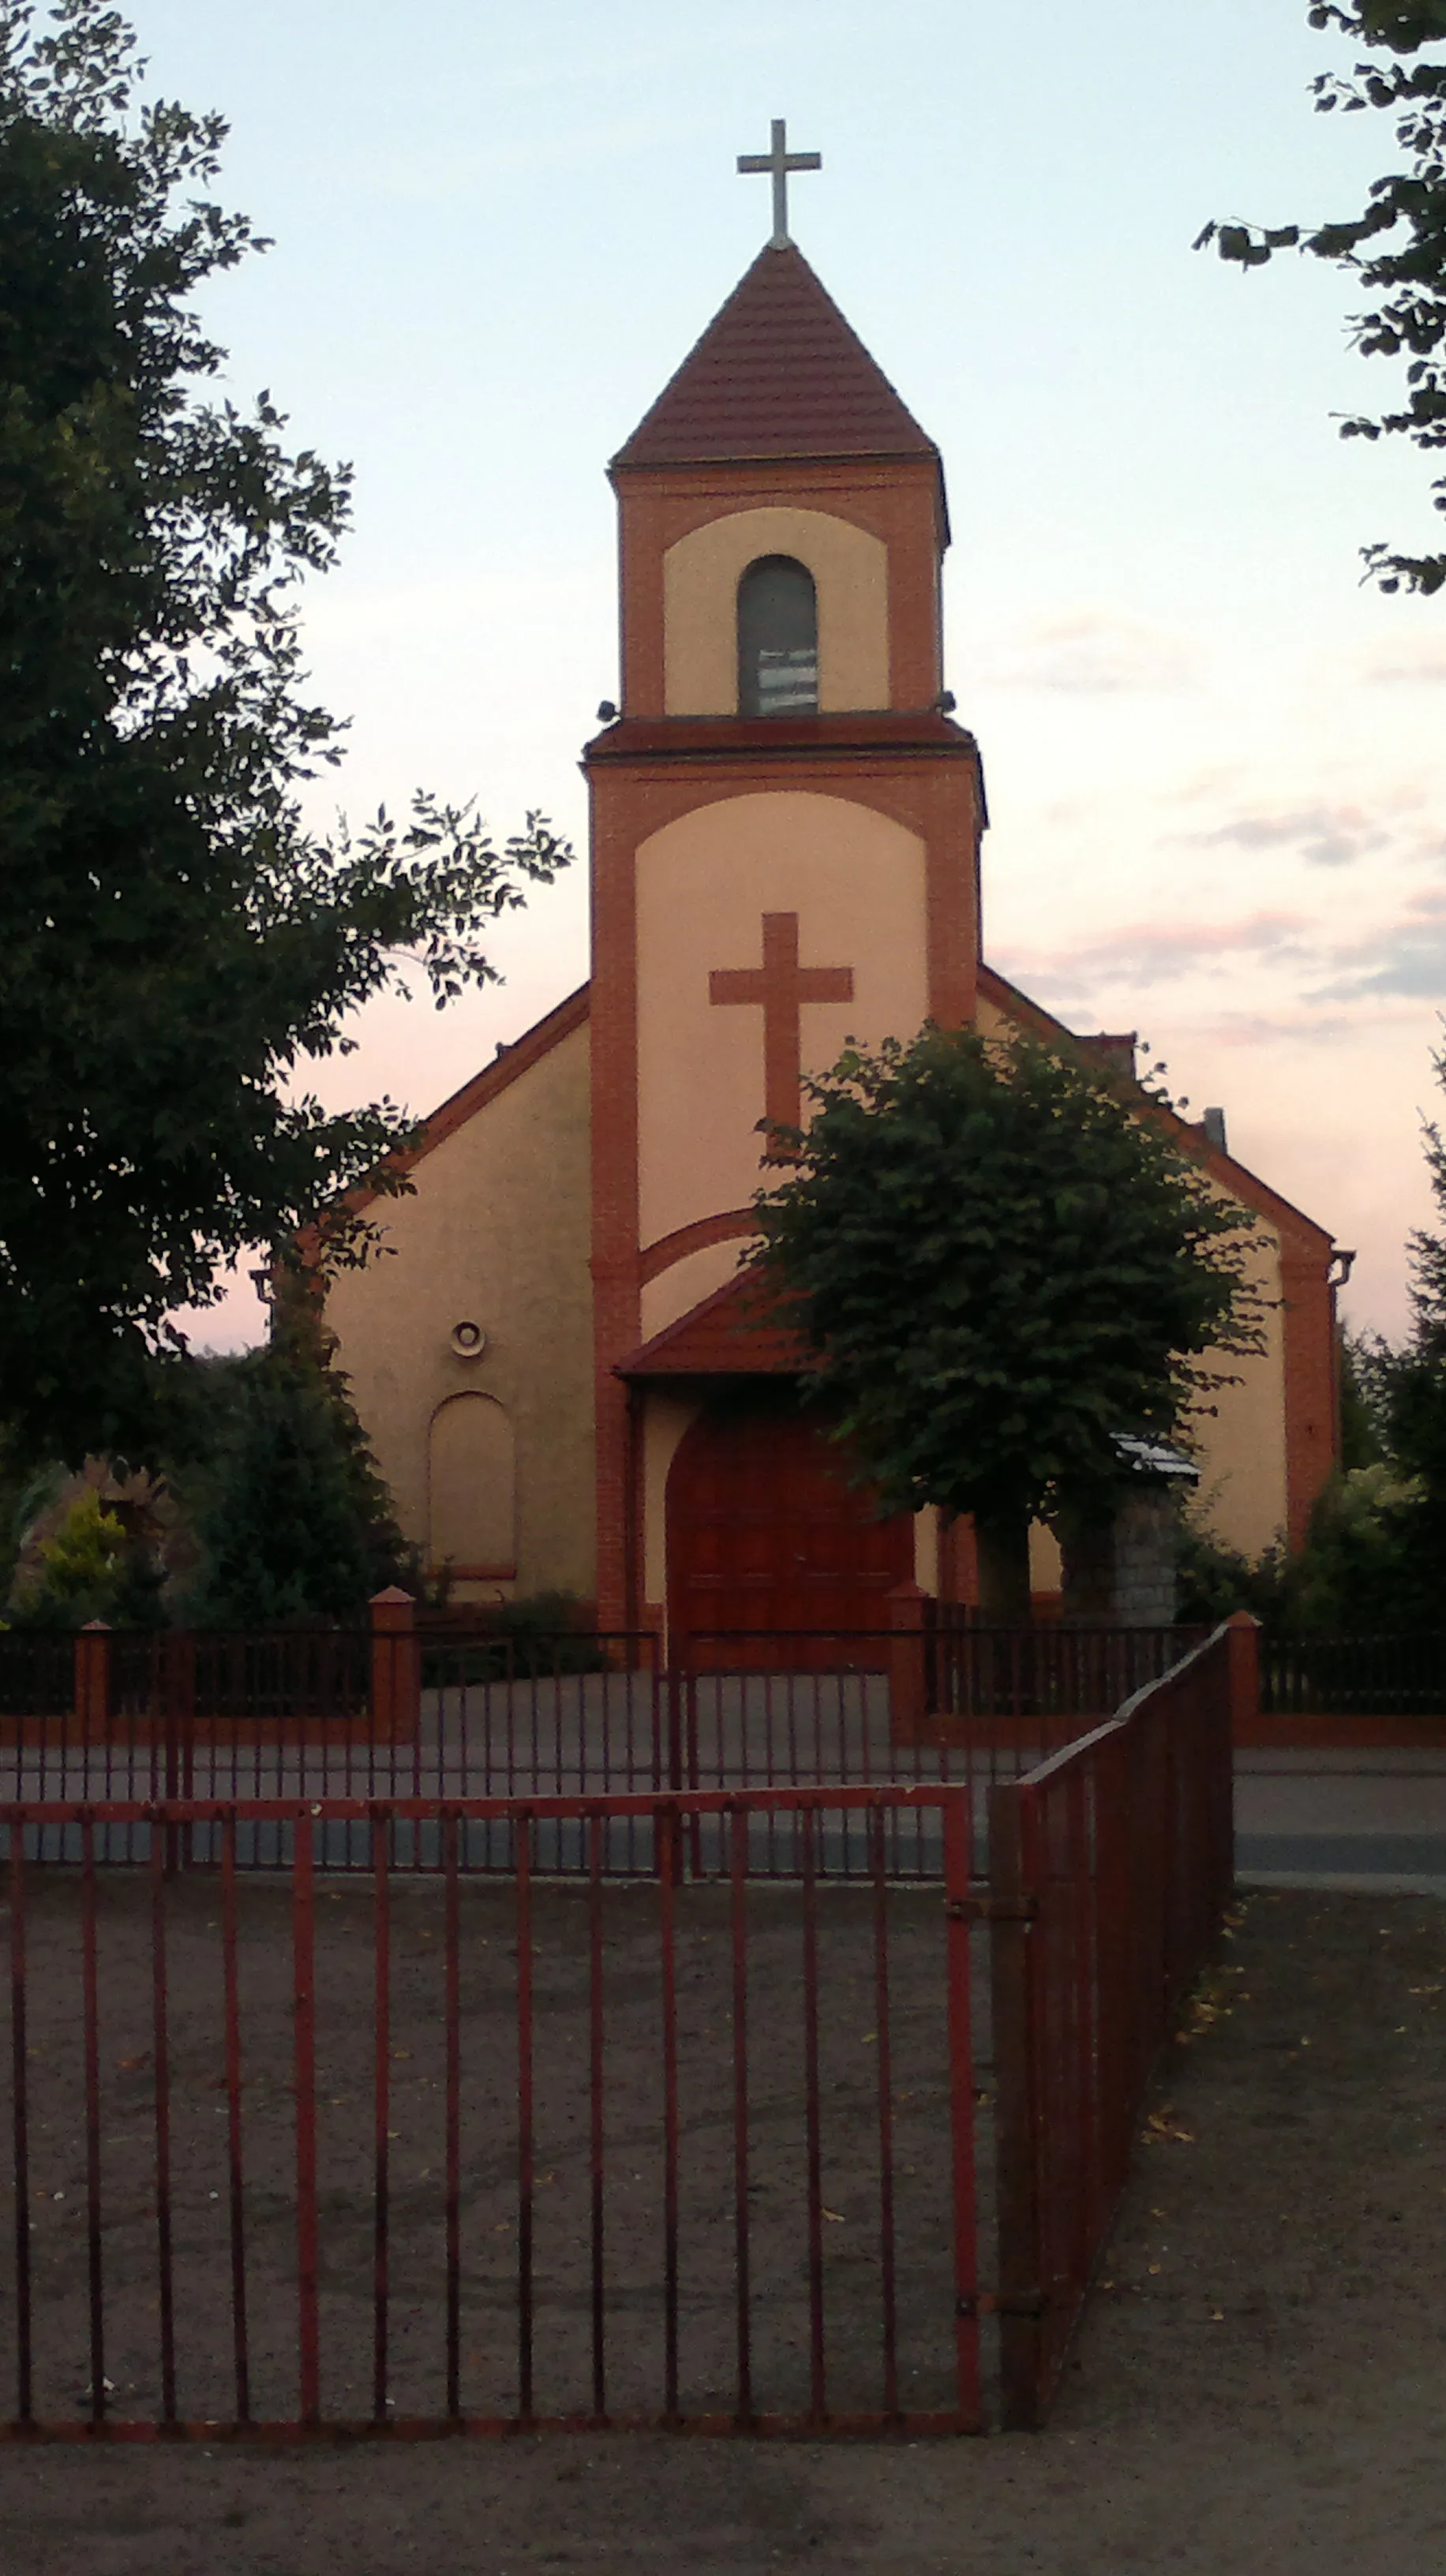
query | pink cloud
(1326,836)
(1149,952)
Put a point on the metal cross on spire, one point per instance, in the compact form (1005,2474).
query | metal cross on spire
(778,161)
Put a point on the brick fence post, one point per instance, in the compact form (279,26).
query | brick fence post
(908,1668)
(92,1682)
(1242,1668)
(396,1671)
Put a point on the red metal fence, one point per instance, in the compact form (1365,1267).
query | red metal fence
(1110,1868)
(293,2157)
(1372,1676)
(394,1713)
(382,2142)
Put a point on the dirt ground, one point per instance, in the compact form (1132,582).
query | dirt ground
(857,2044)
(1261,2389)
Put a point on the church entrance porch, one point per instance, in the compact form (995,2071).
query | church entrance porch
(766,1533)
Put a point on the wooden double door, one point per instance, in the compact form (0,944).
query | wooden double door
(765,1531)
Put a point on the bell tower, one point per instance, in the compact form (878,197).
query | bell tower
(785,838)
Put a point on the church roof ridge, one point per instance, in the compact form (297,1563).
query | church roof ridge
(513,1057)
(1224,1167)
(779,372)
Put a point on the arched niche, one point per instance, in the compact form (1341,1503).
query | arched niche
(472,1487)
(777,638)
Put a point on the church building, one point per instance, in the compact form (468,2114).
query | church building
(559,1369)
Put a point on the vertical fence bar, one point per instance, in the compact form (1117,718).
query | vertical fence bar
(596,1828)
(90,1988)
(303,1948)
(1016,2181)
(523,1883)
(452,2012)
(20,2116)
(817,2383)
(686,1652)
(738,1875)
(382,2104)
(666,1831)
(160,2046)
(1080,1796)
(958,1837)
(886,2114)
(232,2008)
(1123,2006)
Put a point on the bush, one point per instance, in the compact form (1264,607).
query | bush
(517,1640)
(1367,1564)
(291,1518)
(92,1567)
(1214,1581)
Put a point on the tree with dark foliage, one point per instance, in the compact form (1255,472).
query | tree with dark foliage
(1396,246)
(175,944)
(291,1518)
(1417,1386)
(1004,1263)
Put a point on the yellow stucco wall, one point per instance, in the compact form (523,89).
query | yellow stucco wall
(666,1417)
(926,1548)
(684,1284)
(700,590)
(1238,1442)
(856,881)
(1046,1565)
(498,1232)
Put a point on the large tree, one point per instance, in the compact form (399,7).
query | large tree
(1417,1387)
(175,944)
(1004,1264)
(1395,247)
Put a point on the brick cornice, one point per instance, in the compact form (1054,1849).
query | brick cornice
(759,741)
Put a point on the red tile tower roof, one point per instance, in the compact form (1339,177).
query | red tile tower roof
(778,372)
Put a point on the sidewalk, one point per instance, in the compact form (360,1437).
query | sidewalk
(1342,1817)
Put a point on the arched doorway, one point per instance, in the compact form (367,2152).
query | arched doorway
(765,1531)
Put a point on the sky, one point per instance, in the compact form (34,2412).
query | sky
(1216,763)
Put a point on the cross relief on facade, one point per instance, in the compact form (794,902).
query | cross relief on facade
(780,987)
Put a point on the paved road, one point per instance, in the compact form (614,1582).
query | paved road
(1334,1816)
(1340,1816)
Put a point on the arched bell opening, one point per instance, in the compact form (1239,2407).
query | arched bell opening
(777,639)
